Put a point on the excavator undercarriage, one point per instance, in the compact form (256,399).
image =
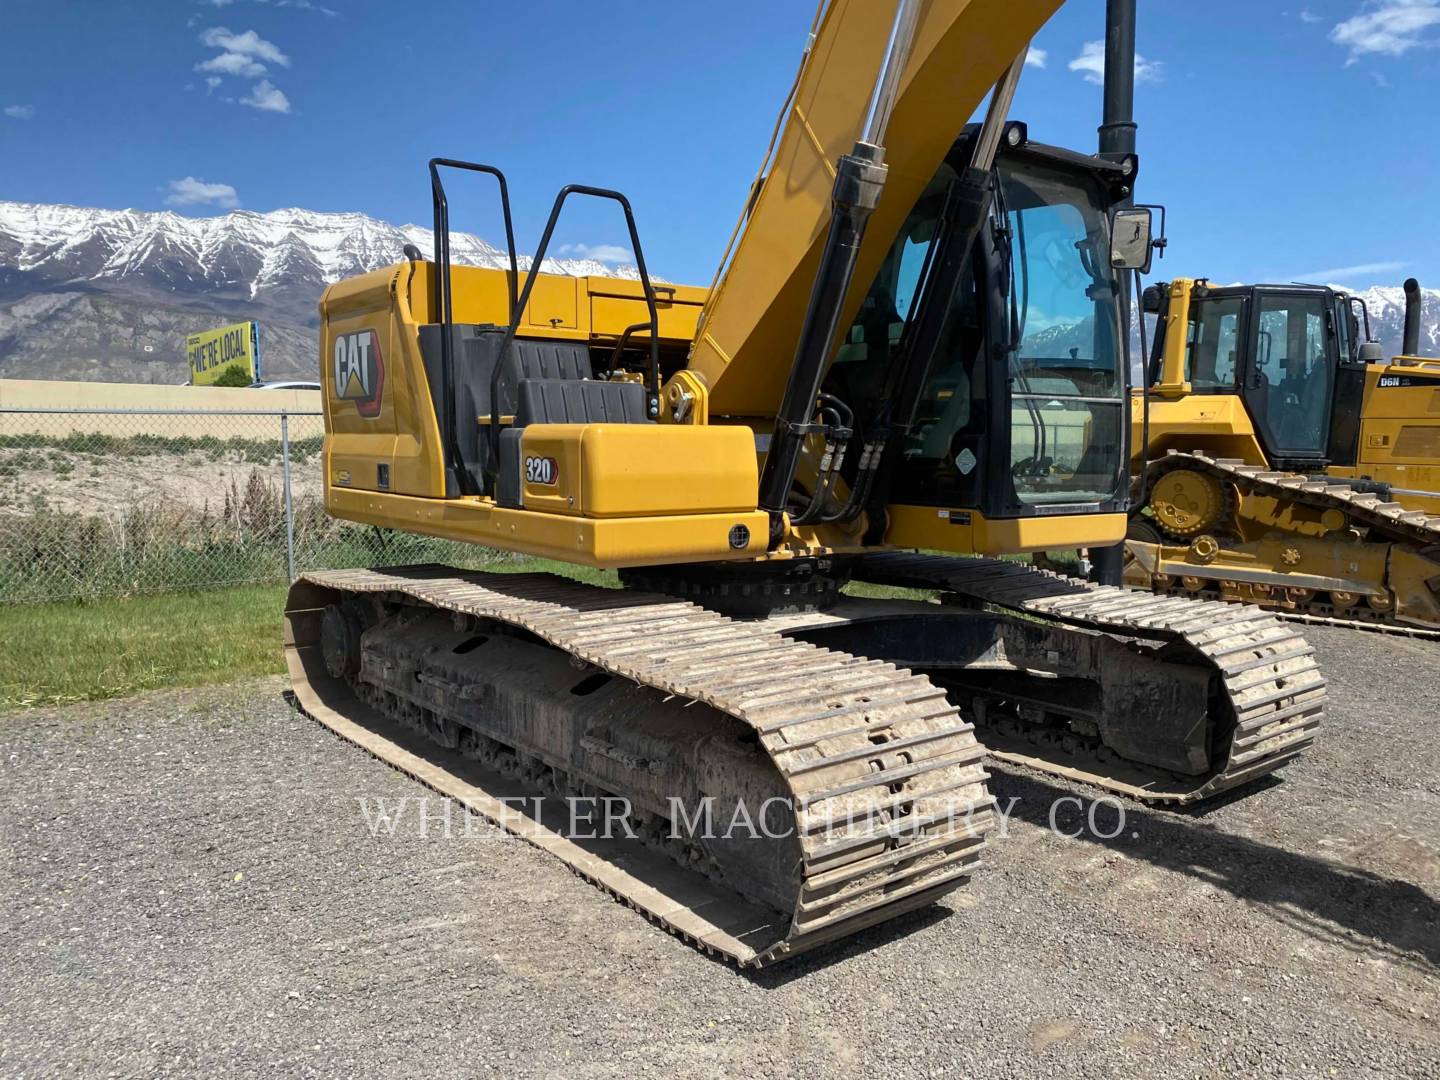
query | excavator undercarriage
(832,755)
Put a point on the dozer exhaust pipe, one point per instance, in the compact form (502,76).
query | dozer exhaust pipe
(1411,345)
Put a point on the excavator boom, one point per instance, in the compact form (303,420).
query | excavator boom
(960,50)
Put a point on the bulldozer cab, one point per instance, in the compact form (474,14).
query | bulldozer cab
(1290,353)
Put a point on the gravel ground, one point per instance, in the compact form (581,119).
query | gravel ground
(190,886)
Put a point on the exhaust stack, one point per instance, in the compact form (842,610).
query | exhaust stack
(1411,345)
(1117,126)
(1117,139)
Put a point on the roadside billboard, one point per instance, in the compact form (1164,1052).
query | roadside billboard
(229,356)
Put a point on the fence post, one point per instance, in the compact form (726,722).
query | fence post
(289,502)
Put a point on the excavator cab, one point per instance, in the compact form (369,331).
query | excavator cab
(1014,408)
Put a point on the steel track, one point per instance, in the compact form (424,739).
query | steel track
(1390,520)
(1269,693)
(886,776)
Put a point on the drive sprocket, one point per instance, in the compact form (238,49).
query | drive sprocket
(1187,503)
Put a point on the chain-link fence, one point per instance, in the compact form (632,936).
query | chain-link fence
(119,502)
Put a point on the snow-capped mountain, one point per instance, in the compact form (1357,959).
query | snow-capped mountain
(111,294)
(1386,306)
(241,251)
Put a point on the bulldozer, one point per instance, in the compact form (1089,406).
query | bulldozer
(866,393)
(1280,460)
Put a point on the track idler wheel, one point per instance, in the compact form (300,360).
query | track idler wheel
(340,631)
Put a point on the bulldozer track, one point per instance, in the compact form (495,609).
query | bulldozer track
(1390,520)
(886,777)
(1266,674)
(1373,626)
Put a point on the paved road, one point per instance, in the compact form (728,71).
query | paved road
(190,885)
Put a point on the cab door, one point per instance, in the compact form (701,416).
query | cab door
(1289,383)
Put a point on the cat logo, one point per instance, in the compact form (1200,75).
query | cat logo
(359,371)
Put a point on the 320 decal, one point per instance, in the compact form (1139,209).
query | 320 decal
(541,470)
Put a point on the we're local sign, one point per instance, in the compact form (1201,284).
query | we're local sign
(214,352)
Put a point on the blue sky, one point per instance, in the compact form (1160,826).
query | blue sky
(1288,140)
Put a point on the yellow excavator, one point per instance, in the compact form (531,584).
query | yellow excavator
(1280,460)
(870,374)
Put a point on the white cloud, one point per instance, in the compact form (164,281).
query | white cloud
(1308,16)
(1349,273)
(233,63)
(607,253)
(193,192)
(248,44)
(306,5)
(20,112)
(267,98)
(1036,57)
(1388,28)
(245,56)
(1091,64)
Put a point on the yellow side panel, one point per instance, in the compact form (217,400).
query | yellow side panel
(553,304)
(970,532)
(477,295)
(563,307)
(616,303)
(551,473)
(611,315)
(960,49)
(380,412)
(1400,432)
(635,470)
(607,543)
(357,353)
(1214,423)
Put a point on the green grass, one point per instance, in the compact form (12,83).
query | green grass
(91,650)
(59,653)
(87,651)
(886,592)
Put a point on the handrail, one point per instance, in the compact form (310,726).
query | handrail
(536,262)
(620,345)
(443,311)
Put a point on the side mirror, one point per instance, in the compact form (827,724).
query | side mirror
(1131,233)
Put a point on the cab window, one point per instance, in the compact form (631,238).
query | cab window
(1292,371)
(1212,343)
